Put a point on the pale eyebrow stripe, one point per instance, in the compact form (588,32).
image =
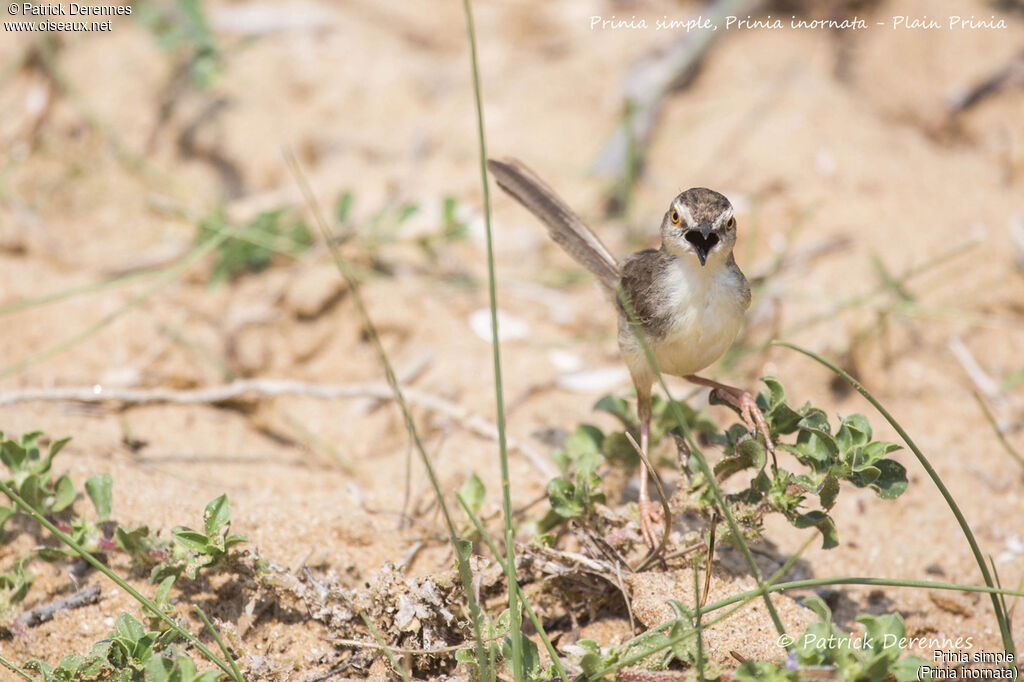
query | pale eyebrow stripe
(684,212)
(724,216)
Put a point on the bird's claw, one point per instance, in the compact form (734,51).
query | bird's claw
(751,415)
(650,513)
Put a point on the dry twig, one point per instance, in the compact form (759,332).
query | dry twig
(46,612)
(267,388)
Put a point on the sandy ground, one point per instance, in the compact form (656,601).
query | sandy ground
(814,135)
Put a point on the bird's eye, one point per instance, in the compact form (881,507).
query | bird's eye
(730,224)
(675,217)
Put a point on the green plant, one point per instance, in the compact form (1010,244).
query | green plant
(998,607)
(128,653)
(88,534)
(181,25)
(30,475)
(849,454)
(828,651)
(529,659)
(188,550)
(574,493)
(384,225)
(31,478)
(14,585)
(254,243)
(138,650)
(655,649)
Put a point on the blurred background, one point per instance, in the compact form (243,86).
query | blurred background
(877,175)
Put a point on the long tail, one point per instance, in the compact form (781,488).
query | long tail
(564,226)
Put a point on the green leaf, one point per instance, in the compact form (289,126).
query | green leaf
(192,539)
(816,421)
(814,451)
(41,666)
(31,492)
(72,663)
(55,447)
(585,440)
(166,639)
(216,514)
(776,393)
(783,419)
(99,488)
(52,554)
(820,608)
(343,206)
(590,663)
(463,548)
(162,594)
(877,449)
(891,481)
(854,432)
(617,448)
(503,623)
(749,453)
(561,460)
(829,491)
(234,539)
(406,211)
(865,476)
(618,407)
(144,647)
(884,632)
(649,643)
(465,655)
(753,450)
(811,483)
(821,521)
(561,495)
(159,669)
(128,627)
(133,540)
(683,649)
(454,226)
(64,494)
(13,455)
(530,657)
(728,466)
(472,491)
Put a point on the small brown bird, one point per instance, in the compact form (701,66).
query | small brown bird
(688,297)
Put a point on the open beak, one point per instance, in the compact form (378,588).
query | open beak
(703,240)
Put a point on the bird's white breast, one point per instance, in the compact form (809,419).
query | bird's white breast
(709,304)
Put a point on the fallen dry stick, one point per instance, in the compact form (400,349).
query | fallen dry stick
(41,614)
(266,388)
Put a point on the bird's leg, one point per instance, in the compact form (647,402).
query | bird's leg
(744,402)
(648,511)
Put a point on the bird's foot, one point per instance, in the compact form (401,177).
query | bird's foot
(650,516)
(750,413)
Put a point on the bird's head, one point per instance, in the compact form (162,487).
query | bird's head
(699,224)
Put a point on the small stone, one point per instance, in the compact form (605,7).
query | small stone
(314,291)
